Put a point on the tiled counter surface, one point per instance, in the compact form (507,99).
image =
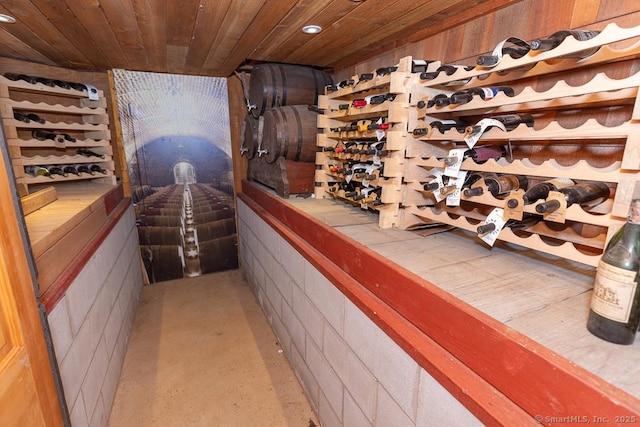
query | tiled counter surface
(541,296)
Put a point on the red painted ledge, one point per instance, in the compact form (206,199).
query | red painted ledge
(499,374)
(115,206)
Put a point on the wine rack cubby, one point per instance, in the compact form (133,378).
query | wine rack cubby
(585,128)
(351,141)
(77,121)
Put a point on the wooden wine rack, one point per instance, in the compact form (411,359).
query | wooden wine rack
(65,111)
(571,233)
(389,176)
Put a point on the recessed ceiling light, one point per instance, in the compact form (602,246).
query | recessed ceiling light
(7,19)
(311,29)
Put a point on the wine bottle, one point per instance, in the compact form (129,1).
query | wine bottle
(45,81)
(63,84)
(56,170)
(71,169)
(420,65)
(36,118)
(97,168)
(85,169)
(445,125)
(485,93)
(614,314)
(44,135)
(587,194)
(499,185)
(67,137)
(558,37)
(365,77)
(383,71)
(540,191)
(21,117)
(88,153)
(447,69)
(510,122)
(440,100)
(517,48)
(37,171)
(373,99)
(478,154)
(24,77)
(527,221)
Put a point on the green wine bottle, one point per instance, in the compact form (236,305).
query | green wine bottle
(615,303)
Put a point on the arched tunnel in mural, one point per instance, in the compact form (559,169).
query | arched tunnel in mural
(177,144)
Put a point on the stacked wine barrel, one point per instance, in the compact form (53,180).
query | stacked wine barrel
(280,122)
(187,230)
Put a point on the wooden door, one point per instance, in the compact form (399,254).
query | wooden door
(27,390)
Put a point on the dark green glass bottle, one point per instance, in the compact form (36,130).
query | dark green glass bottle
(615,303)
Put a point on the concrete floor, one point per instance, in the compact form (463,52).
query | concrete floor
(201,353)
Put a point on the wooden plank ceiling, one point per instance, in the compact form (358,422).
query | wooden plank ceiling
(216,37)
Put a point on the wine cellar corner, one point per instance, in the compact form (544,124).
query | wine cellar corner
(571,121)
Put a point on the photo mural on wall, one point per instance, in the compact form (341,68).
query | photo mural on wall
(178,150)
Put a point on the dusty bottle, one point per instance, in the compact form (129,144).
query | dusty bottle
(555,39)
(540,191)
(499,185)
(614,314)
(587,194)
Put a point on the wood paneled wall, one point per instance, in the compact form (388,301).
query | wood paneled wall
(527,19)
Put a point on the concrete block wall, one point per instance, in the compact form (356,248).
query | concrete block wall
(90,325)
(352,372)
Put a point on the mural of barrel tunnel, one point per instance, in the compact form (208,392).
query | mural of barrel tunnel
(177,144)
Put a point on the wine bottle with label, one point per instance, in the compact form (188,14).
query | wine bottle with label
(37,171)
(540,191)
(512,46)
(614,313)
(479,155)
(485,93)
(588,194)
(499,185)
(510,122)
(527,221)
(555,39)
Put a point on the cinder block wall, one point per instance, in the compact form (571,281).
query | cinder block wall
(352,372)
(91,324)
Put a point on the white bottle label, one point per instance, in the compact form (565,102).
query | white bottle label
(613,292)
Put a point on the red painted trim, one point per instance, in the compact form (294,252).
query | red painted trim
(533,377)
(59,287)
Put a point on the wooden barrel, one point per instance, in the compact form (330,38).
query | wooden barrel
(275,85)
(162,262)
(214,229)
(251,135)
(158,235)
(214,215)
(290,132)
(161,220)
(219,254)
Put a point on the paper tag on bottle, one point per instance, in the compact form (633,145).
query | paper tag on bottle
(436,193)
(454,169)
(453,199)
(495,217)
(483,124)
(92,92)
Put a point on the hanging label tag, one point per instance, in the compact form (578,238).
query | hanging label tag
(479,129)
(495,217)
(92,92)
(453,199)
(454,169)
